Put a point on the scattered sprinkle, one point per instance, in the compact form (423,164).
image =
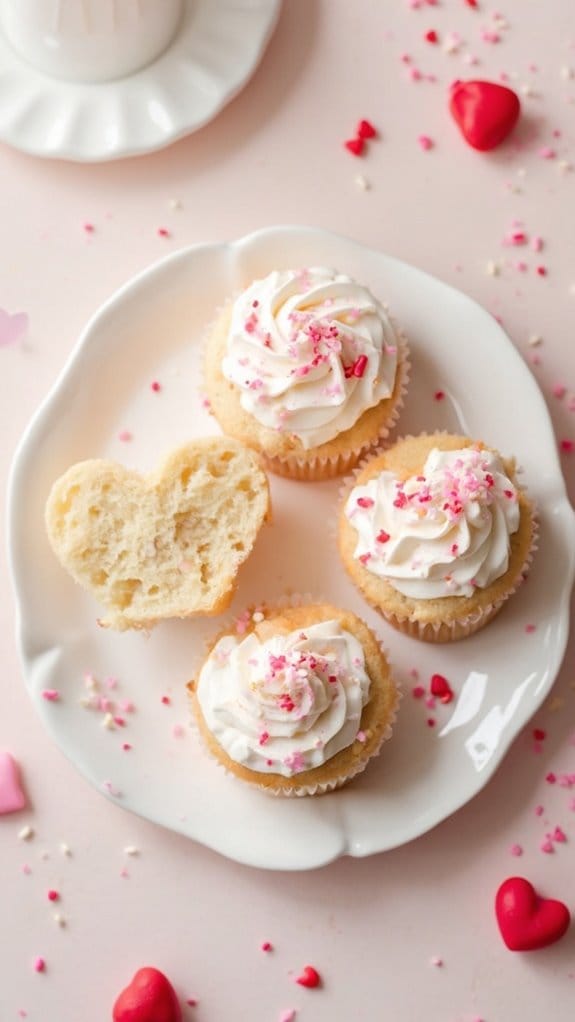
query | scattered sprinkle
(365,129)
(436,961)
(155,386)
(131,850)
(441,688)
(530,629)
(125,436)
(567,446)
(547,846)
(53,895)
(516,850)
(355,146)
(266,946)
(362,183)
(26,833)
(309,977)
(39,964)
(51,695)
(425,142)
(163,232)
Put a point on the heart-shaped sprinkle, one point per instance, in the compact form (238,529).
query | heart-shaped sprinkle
(12,797)
(309,977)
(165,545)
(485,112)
(526,920)
(13,327)
(355,146)
(150,997)
(441,688)
(365,129)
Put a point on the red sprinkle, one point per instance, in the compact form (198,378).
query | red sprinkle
(431,36)
(53,896)
(360,366)
(559,835)
(539,735)
(441,688)
(156,387)
(439,395)
(40,965)
(382,536)
(365,129)
(266,946)
(567,446)
(418,691)
(365,502)
(355,146)
(541,271)
(163,232)
(166,700)
(310,977)
(550,777)
(89,228)
(430,722)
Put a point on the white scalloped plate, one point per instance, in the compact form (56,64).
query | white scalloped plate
(215,51)
(152,330)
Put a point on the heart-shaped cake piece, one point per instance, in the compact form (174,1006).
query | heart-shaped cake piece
(164,545)
(485,112)
(150,997)
(526,920)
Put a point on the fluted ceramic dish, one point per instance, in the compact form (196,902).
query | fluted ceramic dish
(152,329)
(217,47)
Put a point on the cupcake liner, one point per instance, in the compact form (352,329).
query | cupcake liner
(323,467)
(289,787)
(462,627)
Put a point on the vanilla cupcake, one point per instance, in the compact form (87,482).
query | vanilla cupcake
(437,535)
(306,367)
(298,703)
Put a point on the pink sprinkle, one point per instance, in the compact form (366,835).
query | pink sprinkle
(539,810)
(361,736)
(430,722)
(439,395)
(287,1016)
(559,835)
(53,896)
(26,869)
(436,961)
(126,746)
(567,446)
(530,629)
(178,731)
(364,558)
(191,1002)
(163,232)
(418,691)
(266,946)
(547,846)
(40,965)
(559,391)
(546,153)
(155,386)
(541,271)
(89,228)
(166,700)
(125,436)
(550,777)
(51,695)
(516,850)
(425,142)
(264,737)
(414,74)
(517,238)
(365,502)
(537,244)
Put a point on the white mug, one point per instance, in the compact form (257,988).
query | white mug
(89,40)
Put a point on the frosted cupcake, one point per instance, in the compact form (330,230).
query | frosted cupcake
(306,367)
(297,704)
(437,535)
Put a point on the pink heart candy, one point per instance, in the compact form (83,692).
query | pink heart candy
(12,797)
(13,328)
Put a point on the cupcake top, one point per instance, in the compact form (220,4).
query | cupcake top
(310,351)
(287,702)
(443,532)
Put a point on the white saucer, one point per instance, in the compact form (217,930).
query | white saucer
(152,330)
(214,53)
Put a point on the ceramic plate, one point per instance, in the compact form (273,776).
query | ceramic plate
(214,53)
(152,330)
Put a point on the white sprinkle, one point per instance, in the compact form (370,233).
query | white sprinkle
(527,90)
(175,203)
(566,73)
(45,855)
(131,850)
(59,919)
(534,340)
(26,833)
(65,849)
(362,183)
(257,616)
(492,269)
(522,172)
(108,722)
(563,166)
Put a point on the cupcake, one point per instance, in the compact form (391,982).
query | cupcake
(306,367)
(299,702)
(437,535)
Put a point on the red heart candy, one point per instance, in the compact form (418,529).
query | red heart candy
(310,977)
(355,146)
(150,997)
(485,112)
(526,920)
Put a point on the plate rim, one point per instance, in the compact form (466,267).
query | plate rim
(25,449)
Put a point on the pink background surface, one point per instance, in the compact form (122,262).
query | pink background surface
(275,155)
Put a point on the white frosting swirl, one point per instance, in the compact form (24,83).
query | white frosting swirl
(444,532)
(310,351)
(286,704)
